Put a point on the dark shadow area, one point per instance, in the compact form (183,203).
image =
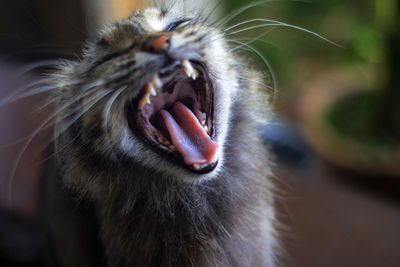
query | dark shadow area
(21,240)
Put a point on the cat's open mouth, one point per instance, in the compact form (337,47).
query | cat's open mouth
(174,113)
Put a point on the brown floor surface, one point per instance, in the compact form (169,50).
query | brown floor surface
(332,218)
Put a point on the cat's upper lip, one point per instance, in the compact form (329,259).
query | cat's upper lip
(174,113)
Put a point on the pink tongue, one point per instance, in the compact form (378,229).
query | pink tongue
(188,136)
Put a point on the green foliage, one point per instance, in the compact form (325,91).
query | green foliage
(369,32)
(359,26)
(369,44)
(354,118)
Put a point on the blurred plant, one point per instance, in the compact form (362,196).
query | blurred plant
(373,116)
(368,66)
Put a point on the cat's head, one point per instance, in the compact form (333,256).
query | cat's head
(156,88)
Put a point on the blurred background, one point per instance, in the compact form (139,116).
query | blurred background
(335,133)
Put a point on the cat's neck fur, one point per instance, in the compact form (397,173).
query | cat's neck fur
(147,219)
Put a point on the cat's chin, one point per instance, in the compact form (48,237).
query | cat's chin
(174,115)
(183,174)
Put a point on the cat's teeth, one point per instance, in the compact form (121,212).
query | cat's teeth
(215,158)
(189,70)
(151,90)
(206,128)
(161,139)
(167,143)
(187,67)
(156,81)
(195,75)
(145,100)
(197,167)
(203,119)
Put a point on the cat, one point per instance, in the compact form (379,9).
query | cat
(158,162)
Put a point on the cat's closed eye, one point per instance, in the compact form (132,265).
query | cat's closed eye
(175,24)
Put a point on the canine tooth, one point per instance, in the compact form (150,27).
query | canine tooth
(206,128)
(151,90)
(195,74)
(188,68)
(156,81)
(203,122)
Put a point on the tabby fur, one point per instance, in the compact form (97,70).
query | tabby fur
(113,201)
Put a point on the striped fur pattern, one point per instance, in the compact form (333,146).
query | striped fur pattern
(149,211)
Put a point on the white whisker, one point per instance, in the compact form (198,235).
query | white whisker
(107,109)
(36,91)
(281,24)
(36,65)
(77,116)
(80,95)
(9,98)
(19,95)
(252,39)
(28,142)
(56,152)
(239,11)
(266,62)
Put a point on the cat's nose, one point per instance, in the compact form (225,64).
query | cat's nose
(156,44)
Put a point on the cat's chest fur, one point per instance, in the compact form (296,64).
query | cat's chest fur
(225,222)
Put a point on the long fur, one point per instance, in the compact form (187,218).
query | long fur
(142,209)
